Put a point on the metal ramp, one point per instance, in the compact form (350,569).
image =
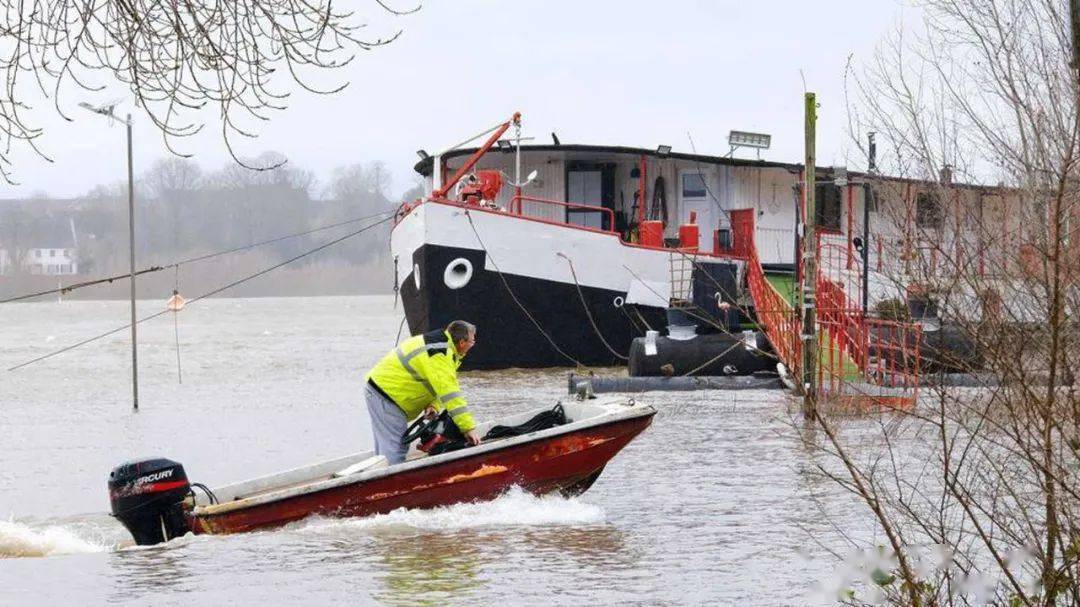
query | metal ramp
(862,361)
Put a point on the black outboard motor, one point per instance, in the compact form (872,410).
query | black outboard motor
(148,498)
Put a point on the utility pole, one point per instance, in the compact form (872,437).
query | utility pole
(107,110)
(809,272)
(131,252)
(868,199)
(1074,20)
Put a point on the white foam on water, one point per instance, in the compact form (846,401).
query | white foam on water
(21,540)
(515,509)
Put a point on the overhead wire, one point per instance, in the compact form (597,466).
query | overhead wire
(190,260)
(280,238)
(705,318)
(79,285)
(207,294)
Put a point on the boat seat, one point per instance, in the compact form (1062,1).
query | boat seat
(372,463)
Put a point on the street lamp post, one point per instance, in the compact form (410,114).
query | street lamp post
(107,110)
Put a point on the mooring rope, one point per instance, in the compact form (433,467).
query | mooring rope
(514,297)
(205,295)
(711,321)
(588,314)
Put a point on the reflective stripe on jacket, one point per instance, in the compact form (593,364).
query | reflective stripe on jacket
(422,371)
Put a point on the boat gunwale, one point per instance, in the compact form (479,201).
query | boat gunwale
(631,411)
(510,215)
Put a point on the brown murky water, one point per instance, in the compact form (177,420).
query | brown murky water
(709,506)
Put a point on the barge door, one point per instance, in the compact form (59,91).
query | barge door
(592,184)
(694,197)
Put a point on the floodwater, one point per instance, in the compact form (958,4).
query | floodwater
(713,504)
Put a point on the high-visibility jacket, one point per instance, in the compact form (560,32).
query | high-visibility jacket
(422,371)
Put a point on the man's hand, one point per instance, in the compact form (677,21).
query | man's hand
(473,437)
(431,412)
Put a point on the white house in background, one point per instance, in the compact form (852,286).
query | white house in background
(49,248)
(52,260)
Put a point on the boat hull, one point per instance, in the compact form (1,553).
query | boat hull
(541,295)
(567,462)
(506,335)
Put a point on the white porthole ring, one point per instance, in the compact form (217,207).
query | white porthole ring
(458,273)
(618,301)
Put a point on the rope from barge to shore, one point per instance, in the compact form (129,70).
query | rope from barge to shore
(588,314)
(401,326)
(711,321)
(176,264)
(517,301)
(209,293)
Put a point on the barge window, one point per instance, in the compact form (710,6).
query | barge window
(693,185)
(927,210)
(828,206)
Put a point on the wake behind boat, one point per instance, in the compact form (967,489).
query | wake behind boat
(155,501)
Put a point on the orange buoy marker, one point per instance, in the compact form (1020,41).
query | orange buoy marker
(176,302)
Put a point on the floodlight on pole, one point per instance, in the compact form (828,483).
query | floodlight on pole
(746,139)
(109,110)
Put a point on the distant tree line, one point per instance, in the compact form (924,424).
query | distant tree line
(183,211)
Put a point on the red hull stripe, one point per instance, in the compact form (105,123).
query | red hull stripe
(156,487)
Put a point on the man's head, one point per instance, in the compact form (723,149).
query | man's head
(463,334)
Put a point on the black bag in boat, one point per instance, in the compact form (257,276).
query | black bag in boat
(541,421)
(441,434)
(437,435)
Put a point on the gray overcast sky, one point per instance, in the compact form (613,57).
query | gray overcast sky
(614,72)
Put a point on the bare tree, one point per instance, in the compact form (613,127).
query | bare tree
(356,181)
(14,239)
(990,474)
(175,58)
(172,183)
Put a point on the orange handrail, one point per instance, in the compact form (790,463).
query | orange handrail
(775,314)
(517,200)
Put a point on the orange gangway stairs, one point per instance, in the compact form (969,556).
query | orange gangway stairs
(862,361)
(775,313)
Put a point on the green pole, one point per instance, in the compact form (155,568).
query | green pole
(809,272)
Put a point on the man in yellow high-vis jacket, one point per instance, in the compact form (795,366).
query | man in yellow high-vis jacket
(419,377)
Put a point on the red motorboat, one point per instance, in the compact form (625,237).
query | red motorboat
(155,501)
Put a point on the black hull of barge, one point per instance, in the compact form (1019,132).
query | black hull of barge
(506,337)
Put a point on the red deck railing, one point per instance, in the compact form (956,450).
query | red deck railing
(863,360)
(517,208)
